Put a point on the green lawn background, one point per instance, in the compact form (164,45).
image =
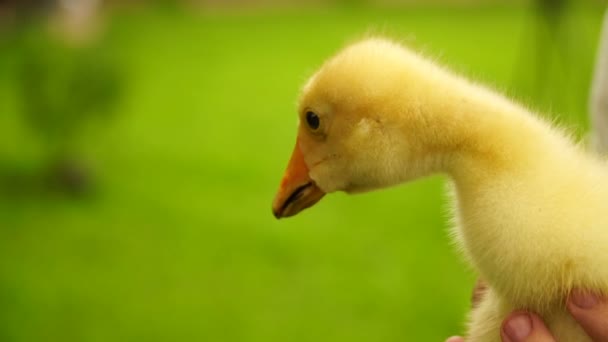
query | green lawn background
(179,244)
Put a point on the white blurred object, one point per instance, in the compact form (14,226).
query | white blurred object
(599,93)
(84,9)
(78,18)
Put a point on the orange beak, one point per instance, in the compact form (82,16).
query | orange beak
(297,191)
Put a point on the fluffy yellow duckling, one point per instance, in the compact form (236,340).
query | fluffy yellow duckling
(530,206)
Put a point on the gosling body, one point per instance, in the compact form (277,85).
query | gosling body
(530,206)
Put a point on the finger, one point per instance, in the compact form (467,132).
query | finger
(455,339)
(591,312)
(523,326)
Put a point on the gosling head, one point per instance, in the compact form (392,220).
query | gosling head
(359,126)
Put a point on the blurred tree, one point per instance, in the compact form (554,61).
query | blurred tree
(549,34)
(550,47)
(62,89)
(63,85)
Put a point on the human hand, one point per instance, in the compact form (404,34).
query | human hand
(590,311)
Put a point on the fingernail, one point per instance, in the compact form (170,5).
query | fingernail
(584,300)
(455,339)
(518,327)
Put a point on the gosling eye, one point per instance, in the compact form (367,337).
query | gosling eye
(313,120)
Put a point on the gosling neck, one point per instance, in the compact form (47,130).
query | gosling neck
(478,134)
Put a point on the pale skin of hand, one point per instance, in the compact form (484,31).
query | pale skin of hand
(589,310)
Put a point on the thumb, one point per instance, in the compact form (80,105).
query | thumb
(591,312)
(522,326)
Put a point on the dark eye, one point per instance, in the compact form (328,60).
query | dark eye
(313,120)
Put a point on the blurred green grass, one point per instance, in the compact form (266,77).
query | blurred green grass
(179,243)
